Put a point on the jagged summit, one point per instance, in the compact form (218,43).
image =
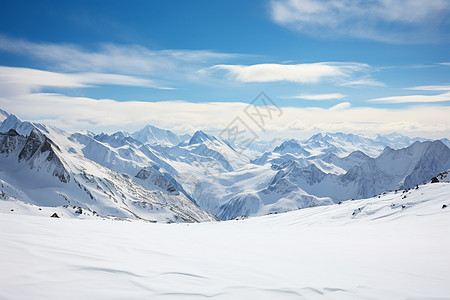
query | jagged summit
(201,137)
(37,151)
(13,122)
(291,146)
(3,115)
(10,122)
(154,135)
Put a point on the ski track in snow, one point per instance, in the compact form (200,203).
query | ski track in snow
(391,248)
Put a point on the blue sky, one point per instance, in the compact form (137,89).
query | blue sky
(350,65)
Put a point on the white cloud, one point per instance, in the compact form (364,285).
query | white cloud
(299,73)
(341,106)
(78,113)
(15,80)
(414,98)
(319,97)
(112,58)
(364,81)
(394,21)
(430,88)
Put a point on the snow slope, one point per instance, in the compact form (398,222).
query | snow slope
(387,247)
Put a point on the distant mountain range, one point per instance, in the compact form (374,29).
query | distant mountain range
(156,175)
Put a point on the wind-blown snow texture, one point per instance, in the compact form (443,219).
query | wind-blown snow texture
(393,246)
(202,170)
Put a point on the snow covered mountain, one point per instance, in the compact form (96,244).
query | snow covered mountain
(12,122)
(156,136)
(209,172)
(396,140)
(3,115)
(36,171)
(339,144)
(280,196)
(291,146)
(393,169)
(300,182)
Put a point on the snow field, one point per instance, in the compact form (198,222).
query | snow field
(391,248)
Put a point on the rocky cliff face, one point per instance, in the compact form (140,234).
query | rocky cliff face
(37,150)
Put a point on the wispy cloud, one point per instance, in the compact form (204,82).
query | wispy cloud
(319,97)
(430,88)
(414,98)
(113,58)
(393,21)
(15,80)
(364,81)
(298,73)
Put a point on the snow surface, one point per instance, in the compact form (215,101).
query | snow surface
(386,247)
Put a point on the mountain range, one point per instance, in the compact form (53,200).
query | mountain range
(156,175)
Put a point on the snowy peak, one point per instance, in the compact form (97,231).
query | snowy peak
(10,122)
(3,115)
(316,137)
(35,141)
(13,122)
(200,137)
(155,136)
(358,154)
(394,138)
(291,146)
(436,158)
(397,141)
(117,139)
(415,150)
(37,150)
(402,168)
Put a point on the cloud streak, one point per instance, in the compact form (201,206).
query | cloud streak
(15,80)
(430,88)
(298,73)
(112,58)
(392,21)
(364,81)
(414,98)
(319,97)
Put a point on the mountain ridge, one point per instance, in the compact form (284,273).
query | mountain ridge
(212,174)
